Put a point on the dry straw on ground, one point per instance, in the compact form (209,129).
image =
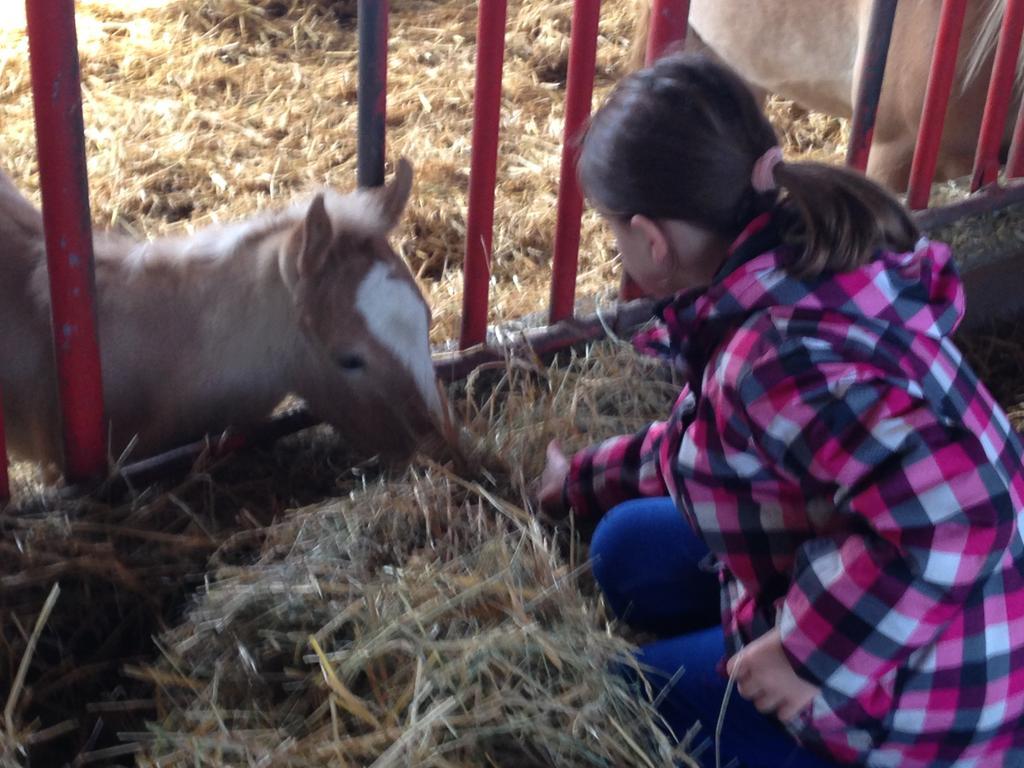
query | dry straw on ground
(449,626)
(423,619)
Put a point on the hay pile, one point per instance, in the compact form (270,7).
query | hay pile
(427,620)
(417,624)
(124,571)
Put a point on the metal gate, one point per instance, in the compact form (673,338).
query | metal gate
(58,108)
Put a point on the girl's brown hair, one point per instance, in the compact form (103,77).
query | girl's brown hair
(679,139)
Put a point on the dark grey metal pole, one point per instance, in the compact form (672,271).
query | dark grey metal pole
(373,79)
(869,91)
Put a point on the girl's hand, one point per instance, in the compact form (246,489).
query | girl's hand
(766,678)
(549,496)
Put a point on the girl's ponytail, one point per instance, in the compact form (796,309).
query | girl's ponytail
(841,218)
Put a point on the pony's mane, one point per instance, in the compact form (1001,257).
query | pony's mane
(359,213)
(985,44)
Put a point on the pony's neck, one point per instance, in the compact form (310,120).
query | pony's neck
(242,313)
(246,264)
(21,230)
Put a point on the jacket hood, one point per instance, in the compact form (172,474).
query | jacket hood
(919,291)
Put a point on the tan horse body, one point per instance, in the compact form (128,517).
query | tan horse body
(213,330)
(811,51)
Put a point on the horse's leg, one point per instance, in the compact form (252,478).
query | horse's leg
(896,130)
(902,97)
(902,103)
(641,32)
(889,163)
(637,56)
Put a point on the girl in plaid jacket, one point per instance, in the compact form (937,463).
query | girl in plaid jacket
(847,487)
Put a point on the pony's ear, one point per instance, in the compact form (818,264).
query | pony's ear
(315,241)
(395,195)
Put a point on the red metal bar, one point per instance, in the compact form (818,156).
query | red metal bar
(57,98)
(373,90)
(1000,91)
(668,27)
(490,53)
(872,72)
(936,99)
(1015,162)
(578,94)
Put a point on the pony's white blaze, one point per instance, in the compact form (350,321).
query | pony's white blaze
(394,313)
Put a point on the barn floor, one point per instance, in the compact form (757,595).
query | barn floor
(292,606)
(441,609)
(450,628)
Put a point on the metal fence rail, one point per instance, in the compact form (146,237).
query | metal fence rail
(57,98)
(57,95)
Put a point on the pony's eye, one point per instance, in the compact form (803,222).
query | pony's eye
(351,363)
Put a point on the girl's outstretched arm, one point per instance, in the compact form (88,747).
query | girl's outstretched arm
(616,470)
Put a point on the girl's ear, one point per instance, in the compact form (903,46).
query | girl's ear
(652,234)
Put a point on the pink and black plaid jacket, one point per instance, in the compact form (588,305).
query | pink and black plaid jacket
(859,488)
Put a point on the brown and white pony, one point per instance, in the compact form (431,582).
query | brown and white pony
(811,50)
(202,332)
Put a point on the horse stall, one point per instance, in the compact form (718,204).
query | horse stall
(270,597)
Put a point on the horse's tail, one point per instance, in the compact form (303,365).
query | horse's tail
(641,32)
(16,208)
(984,44)
(6,183)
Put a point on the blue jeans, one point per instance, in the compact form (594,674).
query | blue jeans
(647,561)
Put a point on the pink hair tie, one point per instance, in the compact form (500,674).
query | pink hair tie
(762,178)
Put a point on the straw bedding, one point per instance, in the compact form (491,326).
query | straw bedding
(450,627)
(293,606)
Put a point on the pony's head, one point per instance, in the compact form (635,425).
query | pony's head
(363,319)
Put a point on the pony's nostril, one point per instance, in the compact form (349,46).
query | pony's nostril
(351,363)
